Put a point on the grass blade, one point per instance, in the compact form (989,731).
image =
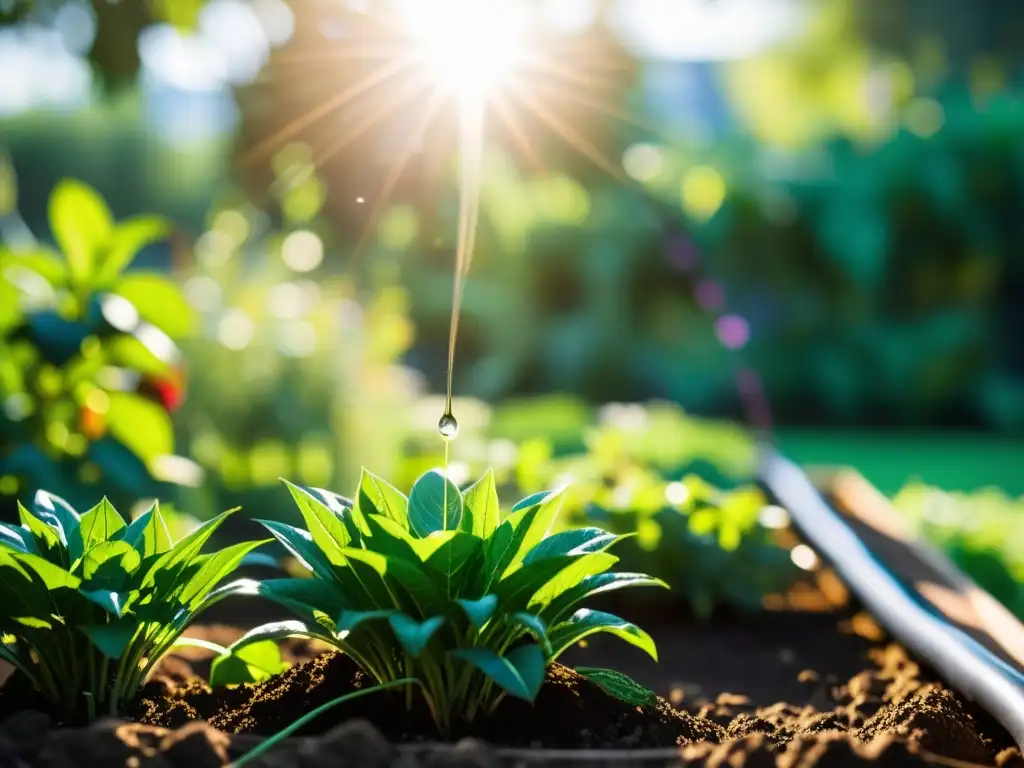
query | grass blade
(274,740)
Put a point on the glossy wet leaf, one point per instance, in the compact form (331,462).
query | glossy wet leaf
(520,672)
(622,687)
(252,663)
(440,593)
(586,622)
(481,511)
(435,504)
(100,524)
(414,635)
(379,497)
(479,612)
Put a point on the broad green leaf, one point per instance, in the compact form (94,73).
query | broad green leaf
(82,226)
(481,507)
(620,686)
(571,576)
(213,570)
(595,585)
(479,611)
(42,261)
(304,596)
(186,550)
(496,556)
(349,620)
(572,542)
(148,533)
(16,586)
(535,626)
(520,673)
(53,576)
(586,622)
(252,663)
(109,601)
(375,496)
(532,500)
(240,587)
(388,570)
(516,536)
(390,539)
(515,591)
(100,524)
(427,546)
(60,515)
(130,237)
(344,509)
(300,544)
(260,560)
(110,562)
(131,353)
(159,302)
(277,630)
(414,635)
(18,538)
(328,532)
(534,528)
(32,622)
(111,639)
(435,504)
(454,561)
(140,425)
(337,503)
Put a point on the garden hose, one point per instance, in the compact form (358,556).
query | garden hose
(965,664)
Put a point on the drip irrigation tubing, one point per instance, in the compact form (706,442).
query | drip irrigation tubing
(965,664)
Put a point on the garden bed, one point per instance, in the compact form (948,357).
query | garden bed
(815,681)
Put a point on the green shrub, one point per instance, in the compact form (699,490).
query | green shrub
(980,531)
(709,545)
(435,587)
(89,605)
(89,368)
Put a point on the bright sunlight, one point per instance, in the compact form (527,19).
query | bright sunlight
(471,46)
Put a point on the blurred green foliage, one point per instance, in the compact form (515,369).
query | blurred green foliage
(980,531)
(89,368)
(293,371)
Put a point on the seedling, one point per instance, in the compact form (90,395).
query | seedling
(435,587)
(89,605)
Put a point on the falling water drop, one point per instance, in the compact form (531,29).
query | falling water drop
(448,427)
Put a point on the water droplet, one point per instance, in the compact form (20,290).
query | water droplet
(448,427)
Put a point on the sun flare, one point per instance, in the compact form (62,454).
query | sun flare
(468,45)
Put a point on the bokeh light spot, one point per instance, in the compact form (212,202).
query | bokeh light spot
(733,331)
(924,117)
(643,162)
(236,329)
(703,192)
(302,251)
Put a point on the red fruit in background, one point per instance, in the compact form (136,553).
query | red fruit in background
(169,390)
(92,424)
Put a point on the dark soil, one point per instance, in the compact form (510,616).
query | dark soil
(814,682)
(790,688)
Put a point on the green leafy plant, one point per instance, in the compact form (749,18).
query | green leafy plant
(89,368)
(980,532)
(436,587)
(709,545)
(89,605)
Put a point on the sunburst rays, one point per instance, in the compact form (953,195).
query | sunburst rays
(407,66)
